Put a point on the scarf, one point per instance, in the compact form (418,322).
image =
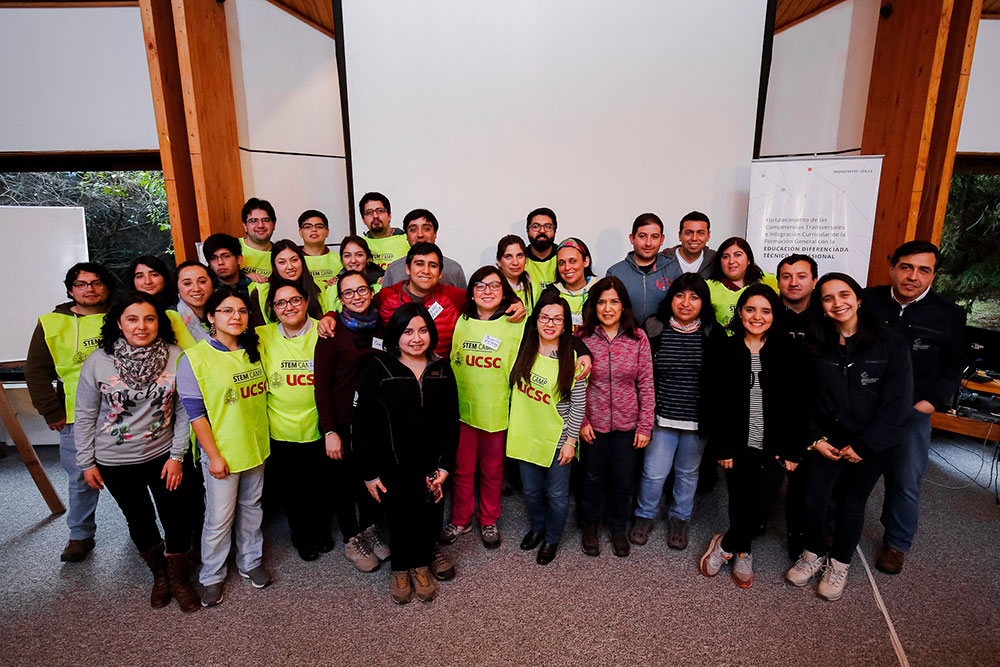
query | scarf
(359,321)
(690,327)
(140,366)
(191,321)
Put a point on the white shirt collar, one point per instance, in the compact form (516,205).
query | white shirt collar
(689,267)
(892,291)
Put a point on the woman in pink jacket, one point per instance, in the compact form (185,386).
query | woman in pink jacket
(620,408)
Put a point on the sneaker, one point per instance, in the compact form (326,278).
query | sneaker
(491,536)
(890,560)
(400,589)
(805,567)
(677,537)
(423,585)
(452,532)
(212,595)
(441,566)
(640,531)
(358,552)
(259,577)
(374,540)
(714,558)
(77,550)
(831,586)
(743,570)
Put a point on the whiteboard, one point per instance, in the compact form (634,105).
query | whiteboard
(40,244)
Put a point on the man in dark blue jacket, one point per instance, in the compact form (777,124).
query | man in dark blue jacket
(646,273)
(934,329)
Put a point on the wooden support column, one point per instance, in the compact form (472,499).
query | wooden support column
(948,117)
(902,96)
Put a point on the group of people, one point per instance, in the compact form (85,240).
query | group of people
(371,381)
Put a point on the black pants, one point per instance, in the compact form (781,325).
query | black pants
(754,482)
(354,506)
(794,500)
(131,485)
(297,470)
(193,490)
(608,462)
(854,482)
(414,520)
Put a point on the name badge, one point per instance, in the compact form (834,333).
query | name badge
(377,344)
(577,319)
(435,309)
(491,342)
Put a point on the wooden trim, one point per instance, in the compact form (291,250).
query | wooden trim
(42,4)
(808,15)
(965,426)
(304,19)
(977,163)
(989,17)
(79,161)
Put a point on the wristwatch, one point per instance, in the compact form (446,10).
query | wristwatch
(813,446)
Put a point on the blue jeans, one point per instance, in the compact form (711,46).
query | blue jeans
(237,497)
(670,448)
(900,508)
(82,498)
(546,493)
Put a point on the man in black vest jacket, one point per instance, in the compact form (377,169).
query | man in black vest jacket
(934,328)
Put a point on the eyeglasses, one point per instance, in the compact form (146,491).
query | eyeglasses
(256,220)
(487,287)
(537,227)
(229,311)
(221,257)
(281,304)
(80,284)
(375,211)
(308,226)
(545,319)
(362,291)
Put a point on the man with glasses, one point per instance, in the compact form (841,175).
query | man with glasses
(224,255)
(387,244)
(540,258)
(258,223)
(422,227)
(324,265)
(62,341)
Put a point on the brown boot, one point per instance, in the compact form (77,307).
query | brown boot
(591,540)
(400,588)
(890,560)
(180,584)
(423,585)
(160,595)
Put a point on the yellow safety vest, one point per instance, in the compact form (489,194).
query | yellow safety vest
(324,267)
(181,333)
(482,354)
(542,274)
(724,299)
(70,340)
(332,301)
(387,250)
(255,261)
(235,394)
(535,424)
(291,401)
(262,290)
(529,296)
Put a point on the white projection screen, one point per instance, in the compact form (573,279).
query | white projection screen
(482,111)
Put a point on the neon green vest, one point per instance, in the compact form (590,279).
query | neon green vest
(535,424)
(235,395)
(542,274)
(181,333)
(332,301)
(529,297)
(724,299)
(387,250)
(70,340)
(291,403)
(255,261)
(324,268)
(482,370)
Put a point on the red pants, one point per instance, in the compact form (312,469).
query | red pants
(488,449)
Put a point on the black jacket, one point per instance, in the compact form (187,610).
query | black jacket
(787,381)
(402,424)
(863,396)
(934,330)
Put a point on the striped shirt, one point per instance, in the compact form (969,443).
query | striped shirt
(678,379)
(755,439)
(572,409)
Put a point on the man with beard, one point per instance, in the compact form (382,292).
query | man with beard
(541,256)
(692,253)
(387,244)
(258,223)
(647,274)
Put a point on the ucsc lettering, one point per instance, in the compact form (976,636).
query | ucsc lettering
(299,380)
(533,393)
(483,362)
(253,390)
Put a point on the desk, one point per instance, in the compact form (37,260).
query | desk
(965,425)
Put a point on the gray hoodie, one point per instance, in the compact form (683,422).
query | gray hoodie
(646,290)
(706,265)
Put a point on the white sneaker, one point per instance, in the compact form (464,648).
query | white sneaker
(714,558)
(805,567)
(831,586)
(743,570)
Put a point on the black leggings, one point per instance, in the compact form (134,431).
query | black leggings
(608,462)
(414,520)
(130,485)
(754,482)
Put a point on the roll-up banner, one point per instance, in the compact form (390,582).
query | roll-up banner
(822,207)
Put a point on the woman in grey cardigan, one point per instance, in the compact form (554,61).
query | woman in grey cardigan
(131,435)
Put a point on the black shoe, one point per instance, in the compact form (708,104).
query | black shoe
(307,551)
(325,544)
(77,550)
(591,541)
(620,545)
(546,553)
(531,540)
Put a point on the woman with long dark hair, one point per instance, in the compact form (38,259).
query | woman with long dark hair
(733,270)
(224,389)
(574,277)
(194,286)
(864,385)
(547,407)
(288,262)
(759,430)
(406,433)
(131,433)
(150,275)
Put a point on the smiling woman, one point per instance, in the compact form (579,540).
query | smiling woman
(732,271)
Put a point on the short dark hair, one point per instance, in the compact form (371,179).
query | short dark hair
(695,216)
(757,289)
(374,196)
(98,270)
(590,321)
(544,210)
(398,322)
(418,213)
(425,248)
(798,257)
(248,339)
(168,295)
(111,332)
(647,219)
(313,213)
(754,273)
(685,282)
(220,241)
(262,204)
(916,247)
(507,296)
